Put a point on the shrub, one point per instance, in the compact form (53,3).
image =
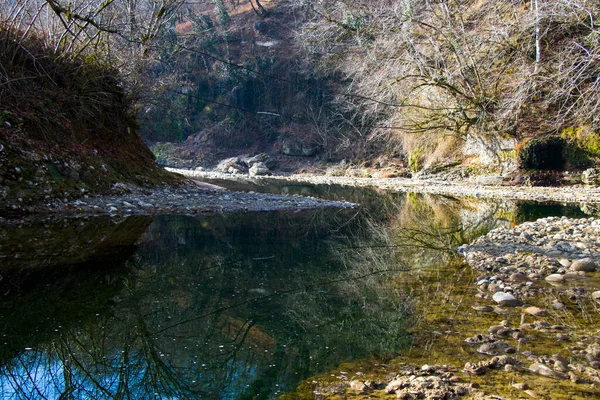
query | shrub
(583,150)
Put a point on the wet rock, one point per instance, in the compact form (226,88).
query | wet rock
(577,379)
(506,299)
(565,262)
(594,351)
(396,384)
(518,277)
(492,348)
(559,358)
(521,386)
(482,367)
(559,366)
(484,308)
(475,368)
(428,368)
(555,278)
(359,386)
(475,339)
(584,265)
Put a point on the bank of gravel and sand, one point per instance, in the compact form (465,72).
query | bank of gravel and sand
(189,198)
(564,194)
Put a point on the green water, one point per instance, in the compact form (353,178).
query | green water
(224,306)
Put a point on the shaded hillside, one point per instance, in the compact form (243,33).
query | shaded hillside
(66,128)
(226,81)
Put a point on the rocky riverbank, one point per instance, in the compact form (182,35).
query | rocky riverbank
(548,272)
(520,320)
(478,189)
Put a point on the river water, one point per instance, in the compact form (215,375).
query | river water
(222,306)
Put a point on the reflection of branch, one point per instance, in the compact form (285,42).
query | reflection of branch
(279,293)
(81,366)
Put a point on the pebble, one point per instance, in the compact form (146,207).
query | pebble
(546,371)
(536,311)
(585,265)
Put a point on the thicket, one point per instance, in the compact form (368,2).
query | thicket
(67,125)
(431,73)
(229,77)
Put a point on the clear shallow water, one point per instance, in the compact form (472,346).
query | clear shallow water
(226,306)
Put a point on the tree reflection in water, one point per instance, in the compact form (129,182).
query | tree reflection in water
(230,306)
(221,306)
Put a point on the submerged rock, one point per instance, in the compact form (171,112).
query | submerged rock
(544,370)
(555,278)
(506,299)
(536,311)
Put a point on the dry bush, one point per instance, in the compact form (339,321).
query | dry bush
(437,70)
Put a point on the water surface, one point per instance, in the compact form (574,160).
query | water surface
(223,306)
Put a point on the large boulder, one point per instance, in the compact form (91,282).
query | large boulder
(259,158)
(591,176)
(259,169)
(232,165)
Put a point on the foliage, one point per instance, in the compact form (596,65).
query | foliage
(583,150)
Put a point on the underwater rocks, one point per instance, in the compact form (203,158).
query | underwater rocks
(550,267)
(514,262)
(506,299)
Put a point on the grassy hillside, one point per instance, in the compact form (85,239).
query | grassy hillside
(67,128)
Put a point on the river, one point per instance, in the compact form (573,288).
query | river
(225,305)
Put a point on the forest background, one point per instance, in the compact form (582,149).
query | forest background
(415,84)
